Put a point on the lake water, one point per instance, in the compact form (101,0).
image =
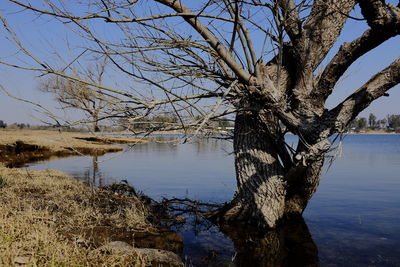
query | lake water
(352,220)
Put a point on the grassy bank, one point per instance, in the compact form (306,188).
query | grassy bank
(21,146)
(46,218)
(50,219)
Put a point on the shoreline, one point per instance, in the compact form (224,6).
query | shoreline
(49,218)
(180,133)
(375,133)
(18,147)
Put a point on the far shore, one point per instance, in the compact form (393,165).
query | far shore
(374,132)
(179,132)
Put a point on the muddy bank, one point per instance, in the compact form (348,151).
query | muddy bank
(20,147)
(18,154)
(113,139)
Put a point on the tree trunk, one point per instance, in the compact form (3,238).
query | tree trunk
(96,127)
(260,178)
(267,191)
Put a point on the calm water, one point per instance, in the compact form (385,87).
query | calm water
(353,219)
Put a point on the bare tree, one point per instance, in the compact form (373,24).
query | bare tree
(259,60)
(77,95)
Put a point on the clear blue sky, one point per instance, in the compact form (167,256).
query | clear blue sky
(44,35)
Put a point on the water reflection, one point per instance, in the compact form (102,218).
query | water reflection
(289,245)
(93,176)
(239,245)
(353,217)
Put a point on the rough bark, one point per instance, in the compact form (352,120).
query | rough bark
(268,191)
(302,184)
(260,181)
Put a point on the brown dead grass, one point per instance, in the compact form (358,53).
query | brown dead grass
(44,216)
(59,141)
(21,146)
(50,219)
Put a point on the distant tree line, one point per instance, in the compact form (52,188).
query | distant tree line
(148,123)
(225,124)
(4,125)
(169,120)
(391,123)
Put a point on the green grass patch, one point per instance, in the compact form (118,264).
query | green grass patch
(3,182)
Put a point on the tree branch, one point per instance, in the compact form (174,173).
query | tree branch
(291,19)
(378,13)
(320,32)
(384,25)
(210,38)
(347,54)
(323,27)
(376,87)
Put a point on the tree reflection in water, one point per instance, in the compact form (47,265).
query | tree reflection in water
(93,175)
(289,245)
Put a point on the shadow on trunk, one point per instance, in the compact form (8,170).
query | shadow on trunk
(290,244)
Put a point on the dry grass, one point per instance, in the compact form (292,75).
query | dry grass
(45,216)
(50,219)
(18,147)
(59,141)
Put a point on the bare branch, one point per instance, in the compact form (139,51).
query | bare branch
(323,27)
(376,87)
(347,54)
(210,38)
(291,19)
(378,13)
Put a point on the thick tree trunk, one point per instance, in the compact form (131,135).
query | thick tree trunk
(260,178)
(301,186)
(96,127)
(267,191)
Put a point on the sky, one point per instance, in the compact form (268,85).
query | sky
(44,34)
